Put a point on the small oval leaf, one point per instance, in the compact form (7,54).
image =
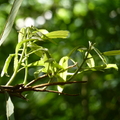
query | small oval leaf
(6,65)
(9,108)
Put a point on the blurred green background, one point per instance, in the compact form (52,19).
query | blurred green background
(97,21)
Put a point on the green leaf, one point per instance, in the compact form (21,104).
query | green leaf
(15,62)
(49,66)
(6,65)
(9,107)
(96,68)
(64,63)
(60,87)
(108,66)
(82,49)
(113,52)
(101,67)
(62,76)
(21,35)
(37,33)
(58,34)
(43,31)
(90,61)
(10,21)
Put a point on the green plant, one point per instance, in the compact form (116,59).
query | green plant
(57,73)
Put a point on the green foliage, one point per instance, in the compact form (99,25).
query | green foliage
(6,65)
(35,55)
(28,38)
(63,75)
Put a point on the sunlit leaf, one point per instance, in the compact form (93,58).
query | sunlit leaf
(10,21)
(37,33)
(113,52)
(64,63)
(15,62)
(82,49)
(21,34)
(9,107)
(49,67)
(58,34)
(90,61)
(6,65)
(60,87)
(111,66)
(96,68)
(63,75)
(101,67)
(43,31)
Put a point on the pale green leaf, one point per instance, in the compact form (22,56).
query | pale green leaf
(101,67)
(43,31)
(113,52)
(6,65)
(90,61)
(58,34)
(96,68)
(10,21)
(49,67)
(9,108)
(82,49)
(15,62)
(60,88)
(45,35)
(21,35)
(38,33)
(49,64)
(64,63)
(62,76)
(108,66)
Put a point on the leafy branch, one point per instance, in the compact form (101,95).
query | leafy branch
(28,40)
(28,44)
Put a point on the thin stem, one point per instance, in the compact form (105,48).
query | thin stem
(35,80)
(12,77)
(26,63)
(86,57)
(57,83)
